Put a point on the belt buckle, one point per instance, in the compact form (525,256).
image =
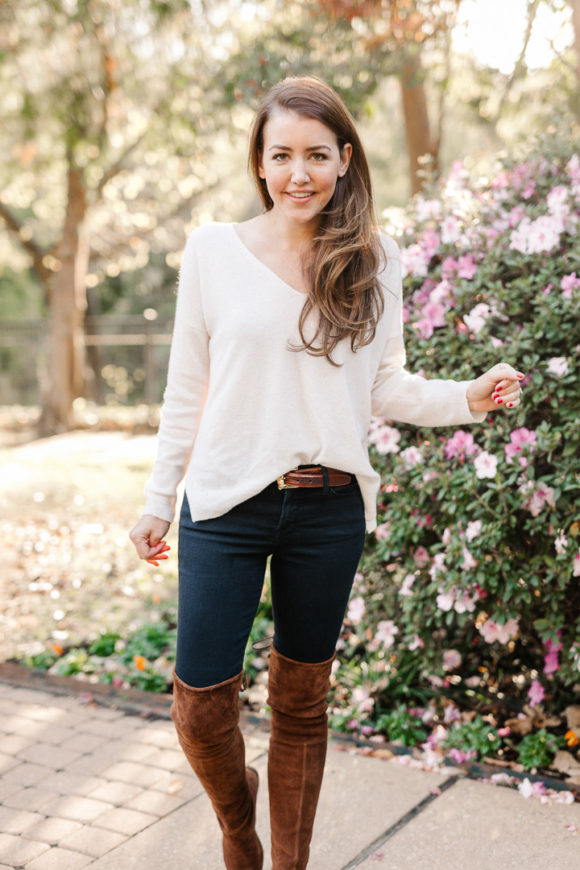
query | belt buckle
(283,485)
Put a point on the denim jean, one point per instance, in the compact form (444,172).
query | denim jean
(315,538)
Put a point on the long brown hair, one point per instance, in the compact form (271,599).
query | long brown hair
(342,269)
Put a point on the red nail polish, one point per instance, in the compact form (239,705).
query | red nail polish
(499,401)
(520,375)
(510,404)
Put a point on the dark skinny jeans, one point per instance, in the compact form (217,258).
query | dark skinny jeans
(315,537)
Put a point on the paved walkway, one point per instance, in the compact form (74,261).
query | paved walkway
(86,785)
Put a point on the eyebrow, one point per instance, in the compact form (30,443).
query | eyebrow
(286,148)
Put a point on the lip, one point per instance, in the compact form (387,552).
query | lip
(300,195)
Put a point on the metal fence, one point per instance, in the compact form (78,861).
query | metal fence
(125,359)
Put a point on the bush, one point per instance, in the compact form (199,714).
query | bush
(470,581)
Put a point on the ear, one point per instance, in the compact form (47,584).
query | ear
(345,156)
(261,171)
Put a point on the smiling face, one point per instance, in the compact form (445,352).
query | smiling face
(300,163)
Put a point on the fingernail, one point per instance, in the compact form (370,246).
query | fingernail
(499,401)
(520,375)
(153,562)
(497,389)
(510,404)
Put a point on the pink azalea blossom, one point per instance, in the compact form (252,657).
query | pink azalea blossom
(362,698)
(492,631)
(473,530)
(424,327)
(468,560)
(558,366)
(420,557)
(536,237)
(551,663)
(557,201)
(411,456)
(385,633)
(465,601)
(485,465)
(459,756)
(438,565)
(414,261)
(542,495)
(441,293)
(452,713)
(536,693)
(576,570)
(445,600)
(429,243)
(520,439)
(386,439)
(383,532)
(476,319)
(356,609)
(460,444)
(466,267)
(416,643)
(451,659)
(450,230)
(568,284)
(561,543)
(407,584)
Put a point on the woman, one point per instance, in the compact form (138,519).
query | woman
(287,338)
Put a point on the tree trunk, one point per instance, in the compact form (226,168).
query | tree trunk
(416,115)
(63,380)
(575,4)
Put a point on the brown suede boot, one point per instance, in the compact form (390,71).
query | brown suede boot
(206,721)
(298,739)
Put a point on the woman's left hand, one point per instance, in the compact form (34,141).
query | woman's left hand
(499,387)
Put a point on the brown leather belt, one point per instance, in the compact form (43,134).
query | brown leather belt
(312,476)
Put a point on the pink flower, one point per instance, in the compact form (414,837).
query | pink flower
(461,444)
(356,609)
(407,584)
(382,532)
(492,631)
(362,698)
(450,230)
(541,495)
(473,530)
(568,284)
(451,659)
(520,439)
(475,320)
(445,600)
(485,465)
(576,570)
(424,327)
(385,633)
(416,643)
(561,543)
(386,439)
(414,261)
(420,557)
(558,366)
(465,600)
(536,693)
(468,560)
(551,663)
(438,565)
(466,267)
(459,756)
(411,456)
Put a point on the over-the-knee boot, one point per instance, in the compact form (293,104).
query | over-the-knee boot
(298,739)
(206,721)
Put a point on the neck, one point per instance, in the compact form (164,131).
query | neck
(291,235)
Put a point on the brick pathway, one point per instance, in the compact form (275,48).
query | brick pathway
(88,784)
(78,780)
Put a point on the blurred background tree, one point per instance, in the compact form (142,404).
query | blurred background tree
(125,124)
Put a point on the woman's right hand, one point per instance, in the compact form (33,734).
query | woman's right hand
(147,537)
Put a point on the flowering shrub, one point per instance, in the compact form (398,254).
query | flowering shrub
(470,582)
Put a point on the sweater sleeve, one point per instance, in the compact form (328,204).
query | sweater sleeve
(185,393)
(399,395)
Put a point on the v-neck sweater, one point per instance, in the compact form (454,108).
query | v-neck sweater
(241,407)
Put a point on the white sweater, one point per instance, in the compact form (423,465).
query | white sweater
(240,408)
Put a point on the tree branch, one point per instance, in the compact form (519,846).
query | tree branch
(36,253)
(519,66)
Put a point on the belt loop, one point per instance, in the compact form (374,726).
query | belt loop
(326,489)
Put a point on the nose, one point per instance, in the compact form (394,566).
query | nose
(300,173)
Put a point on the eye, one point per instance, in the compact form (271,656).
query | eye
(277,158)
(319,156)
